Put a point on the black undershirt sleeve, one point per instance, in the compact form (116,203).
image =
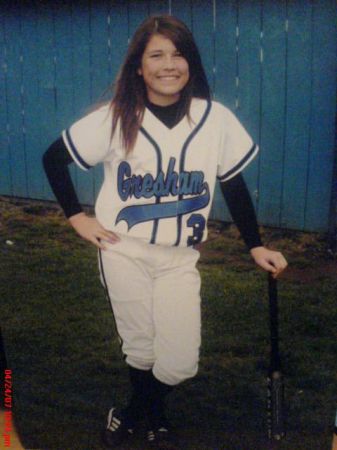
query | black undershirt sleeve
(55,162)
(241,208)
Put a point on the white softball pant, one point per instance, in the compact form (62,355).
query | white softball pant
(155,297)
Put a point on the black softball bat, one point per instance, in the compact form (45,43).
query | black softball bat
(275,401)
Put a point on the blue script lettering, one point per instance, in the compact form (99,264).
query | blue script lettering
(184,183)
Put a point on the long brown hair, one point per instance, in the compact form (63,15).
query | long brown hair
(130,96)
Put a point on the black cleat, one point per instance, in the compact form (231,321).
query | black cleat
(155,436)
(118,429)
(159,436)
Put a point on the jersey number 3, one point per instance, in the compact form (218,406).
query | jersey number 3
(197,222)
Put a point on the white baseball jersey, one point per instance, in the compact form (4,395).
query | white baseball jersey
(162,191)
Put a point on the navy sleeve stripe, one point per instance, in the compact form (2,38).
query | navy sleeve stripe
(240,164)
(74,153)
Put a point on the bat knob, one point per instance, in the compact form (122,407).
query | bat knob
(276,375)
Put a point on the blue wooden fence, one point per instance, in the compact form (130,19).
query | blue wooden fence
(272,62)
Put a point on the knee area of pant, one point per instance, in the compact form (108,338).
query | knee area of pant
(138,363)
(174,375)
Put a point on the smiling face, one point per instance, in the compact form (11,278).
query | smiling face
(164,70)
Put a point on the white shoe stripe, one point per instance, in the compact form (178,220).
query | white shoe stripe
(110,417)
(150,436)
(116,421)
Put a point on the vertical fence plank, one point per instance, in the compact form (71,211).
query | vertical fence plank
(225,52)
(225,76)
(298,111)
(118,33)
(6,177)
(33,121)
(202,13)
(137,12)
(14,104)
(82,84)
(249,80)
(64,54)
(100,64)
(323,114)
(158,7)
(183,10)
(45,65)
(273,107)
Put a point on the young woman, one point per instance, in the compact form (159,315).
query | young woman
(163,143)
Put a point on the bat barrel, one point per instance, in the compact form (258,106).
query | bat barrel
(276,425)
(275,401)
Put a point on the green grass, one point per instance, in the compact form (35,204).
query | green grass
(67,367)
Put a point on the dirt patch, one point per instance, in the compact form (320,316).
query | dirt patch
(327,269)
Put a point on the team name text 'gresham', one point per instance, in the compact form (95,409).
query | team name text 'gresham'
(184,183)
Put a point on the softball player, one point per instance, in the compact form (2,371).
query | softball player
(163,143)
